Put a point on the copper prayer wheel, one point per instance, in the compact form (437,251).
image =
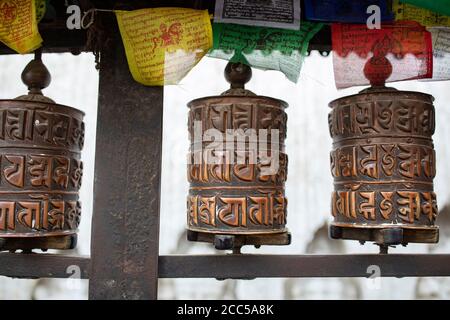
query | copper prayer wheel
(41,169)
(383,164)
(236,194)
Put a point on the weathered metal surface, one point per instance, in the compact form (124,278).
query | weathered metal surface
(33,266)
(383,164)
(245,266)
(231,195)
(125,225)
(27,244)
(238,241)
(242,266)
(41,170)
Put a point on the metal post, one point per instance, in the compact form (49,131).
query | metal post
(125,224)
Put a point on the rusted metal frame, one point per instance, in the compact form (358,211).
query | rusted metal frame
(248,266)
(243,266)
(125,224)
(30,266)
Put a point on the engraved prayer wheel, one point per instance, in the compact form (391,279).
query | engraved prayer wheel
(383,164)
(237,167)
(41,169)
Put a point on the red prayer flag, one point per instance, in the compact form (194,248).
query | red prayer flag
(398,51)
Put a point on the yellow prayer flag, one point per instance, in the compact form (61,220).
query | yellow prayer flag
(427,18)
(163,44)
(18,25)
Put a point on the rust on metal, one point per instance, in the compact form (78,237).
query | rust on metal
(127,185)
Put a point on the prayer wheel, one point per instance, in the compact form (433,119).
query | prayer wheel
(41,169)
(383,164)
(237,167)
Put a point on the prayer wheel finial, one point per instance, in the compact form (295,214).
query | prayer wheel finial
(36,77)
(237,75)
(377,70)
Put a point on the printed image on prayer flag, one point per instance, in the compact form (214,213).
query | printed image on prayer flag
(163,44)
(18,25)
(404,11)
(399,51)
(264,48)
(441,53)
(439,6)
(348,11)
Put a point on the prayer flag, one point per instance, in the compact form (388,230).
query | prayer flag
(18,25)
(264,48)
(163,44)
(400,51)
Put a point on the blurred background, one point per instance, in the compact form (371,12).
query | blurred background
(308,188)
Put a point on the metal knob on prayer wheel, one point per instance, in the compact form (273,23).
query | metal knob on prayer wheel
(237,167)
(40,169)
(383,163)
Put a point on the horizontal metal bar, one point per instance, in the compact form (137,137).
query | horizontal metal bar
(33,265)
(243,266)
(247,266)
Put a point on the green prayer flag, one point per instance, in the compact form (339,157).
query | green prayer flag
(264,48)
(439,6)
